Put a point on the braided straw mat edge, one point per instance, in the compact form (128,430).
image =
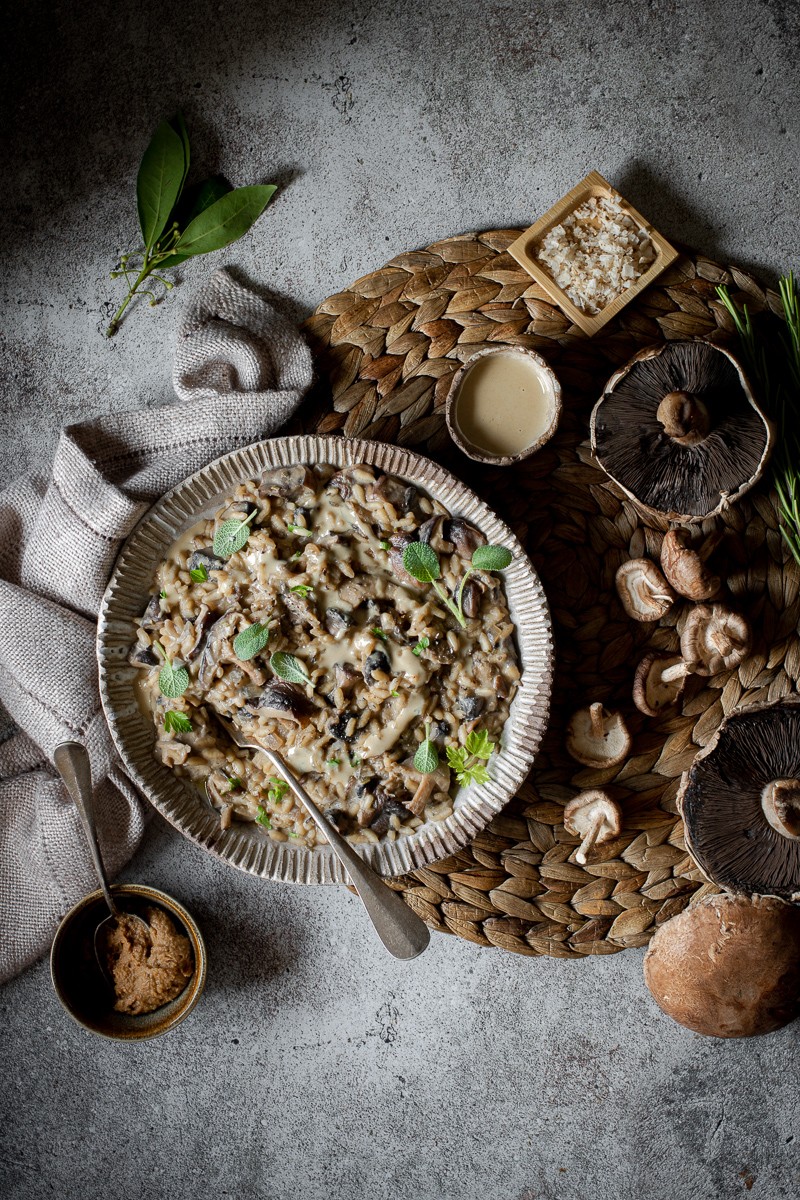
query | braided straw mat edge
(386,349)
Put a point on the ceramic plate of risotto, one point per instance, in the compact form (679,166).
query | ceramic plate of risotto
(353,607)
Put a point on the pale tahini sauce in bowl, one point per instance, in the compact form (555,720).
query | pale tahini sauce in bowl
(503,405)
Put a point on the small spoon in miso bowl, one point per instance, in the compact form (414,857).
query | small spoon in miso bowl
(72,763)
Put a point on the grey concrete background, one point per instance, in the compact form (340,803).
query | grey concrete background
(315,1067)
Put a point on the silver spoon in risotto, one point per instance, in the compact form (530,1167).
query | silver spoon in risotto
(402,932)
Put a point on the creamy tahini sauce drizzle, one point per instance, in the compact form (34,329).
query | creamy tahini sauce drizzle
(505,403)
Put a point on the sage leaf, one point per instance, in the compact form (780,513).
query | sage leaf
(248,643)
(172,681)
(176,722)
(426,760)
(491,558)
(159,182)
(232,535)
(224,221)
(421,562)
(287,667)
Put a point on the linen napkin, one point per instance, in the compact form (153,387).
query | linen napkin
(240,371)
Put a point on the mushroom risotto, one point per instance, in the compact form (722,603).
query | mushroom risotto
(345,620)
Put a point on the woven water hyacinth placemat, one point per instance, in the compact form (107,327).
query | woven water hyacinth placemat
(386,349)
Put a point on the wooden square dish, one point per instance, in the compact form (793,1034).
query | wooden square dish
(524,248)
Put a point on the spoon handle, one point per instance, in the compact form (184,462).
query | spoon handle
(72,764)
(402,932)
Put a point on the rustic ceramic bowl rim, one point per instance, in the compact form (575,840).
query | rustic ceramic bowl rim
(469,448)
(245,845)
(188,997)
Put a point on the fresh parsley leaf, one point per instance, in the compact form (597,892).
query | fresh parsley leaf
(262,818)
(477,744)
(176,722)
(304,590)
(287,667)
(232,535)
(379,633)
(250,641)
(477,773)
(426,760)
(385,545)
(421,562)
(421,645)
(276,790)
(172,681)
(456,757)
(491,558)
(300,529)
(198,574)
(394,693)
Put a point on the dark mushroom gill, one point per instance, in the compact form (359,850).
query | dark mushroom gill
(727,830)
(632,447)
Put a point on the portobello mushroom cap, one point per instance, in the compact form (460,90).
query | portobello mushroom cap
(740,802)
(729,966)
(680,432)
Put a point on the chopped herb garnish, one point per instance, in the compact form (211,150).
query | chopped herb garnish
(287,667)
(380,633)
(421,645)
(334,762)
(393,693)
(297,554)
(385,545)
(301,529)
(426,760)
(232,535)
(198,574)
(250,641)
(355,761)
(469,761)
(262,817)
(276,789)
(172,681)
(163,593)
(234,783)
(176,722)
(304,590)
(290,834)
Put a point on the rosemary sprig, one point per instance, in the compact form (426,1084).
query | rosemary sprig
(780,390)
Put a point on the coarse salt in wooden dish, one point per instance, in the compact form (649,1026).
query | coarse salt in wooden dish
(529,248)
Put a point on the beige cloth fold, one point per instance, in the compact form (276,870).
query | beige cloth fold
(241,370)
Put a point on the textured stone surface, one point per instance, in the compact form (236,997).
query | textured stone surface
(315,1067)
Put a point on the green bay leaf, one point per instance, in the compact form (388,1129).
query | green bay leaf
(226,220)
(159,182)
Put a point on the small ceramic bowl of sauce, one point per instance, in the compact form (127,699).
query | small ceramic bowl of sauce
(503,405)
(86,994)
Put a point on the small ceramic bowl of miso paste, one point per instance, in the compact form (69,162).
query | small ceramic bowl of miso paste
(503,405)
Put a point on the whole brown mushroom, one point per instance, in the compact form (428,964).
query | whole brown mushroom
(597,738)
(658,683)
(594,817)
(686,568)
(643,590)
(729,966)
(714,639)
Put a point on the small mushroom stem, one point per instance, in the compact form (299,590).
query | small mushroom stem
(780,801)
(596,719)
(685,418)
(590,837)
(677,672)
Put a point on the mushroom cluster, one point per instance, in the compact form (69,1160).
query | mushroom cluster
(679,431)
(715,638)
